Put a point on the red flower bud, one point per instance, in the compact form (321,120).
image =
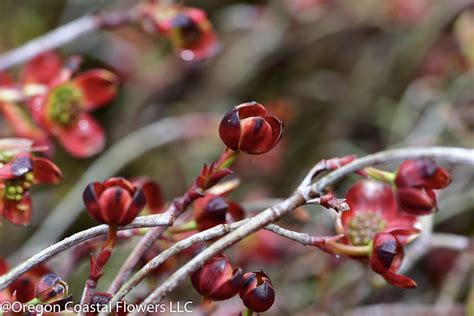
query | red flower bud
(422,173)
(386,258)
(248,128)
(51,288)
(213,210)
(24,287)
(257,292)
(415,181)
(113,202)
(217,280)
(416,201)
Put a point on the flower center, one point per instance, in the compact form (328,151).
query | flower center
(15,188)
(5,157)
(65,104)
(363,227)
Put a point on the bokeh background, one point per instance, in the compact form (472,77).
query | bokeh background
(346,77)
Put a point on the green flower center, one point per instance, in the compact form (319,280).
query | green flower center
(5,157)
(363,226)
(15,188)
(65,104)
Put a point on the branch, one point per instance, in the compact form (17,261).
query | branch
(164,219)
(65,34)
(453,155)
(137,143)
(216,231)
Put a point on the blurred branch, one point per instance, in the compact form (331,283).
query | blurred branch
(143,221)
(65,34)
(206,235)
(299,197)
(115,158)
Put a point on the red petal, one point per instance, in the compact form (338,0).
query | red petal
(91,200)
(210,211)
(42,69)
(416,201)
(98,86)
(114,203)
(18,212)
(152,191)
(422,173)
(45,171)
(138,203)
(370,196)
(250,109)
(229,129)
(256,136)
(121,182)
(84,139)
(23,125)
(399,280)
(230,287)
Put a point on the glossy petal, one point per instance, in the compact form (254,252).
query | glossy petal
(23,125)
(98,87)
(153,194)
(416,201)
(370,196)
(257,293)
(138,203)
(121,182)
(50,288)
(42,69)
(18,212)
(256,135)
(216,279)
(210,211)
(229,129)
(24,286)
(234,213)
(114,203)
(386,258)
(230,287)
(399,280)
(45,171)
(250,109)
(84,138)
(422,173)
(91,201)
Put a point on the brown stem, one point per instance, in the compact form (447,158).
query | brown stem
(97,265)
(176,208)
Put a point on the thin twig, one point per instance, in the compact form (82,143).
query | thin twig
(164,219)
(65,34)
(452,155)
(216,231)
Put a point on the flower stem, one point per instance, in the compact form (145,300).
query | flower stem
(348,250)
(380,175)
(247,312)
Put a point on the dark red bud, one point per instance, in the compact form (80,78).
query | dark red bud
(50,288)
(416,201)
(386,257)
(257,293)
(210,211)
(247,128)
(422,173)
(114,202)
(217,280)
